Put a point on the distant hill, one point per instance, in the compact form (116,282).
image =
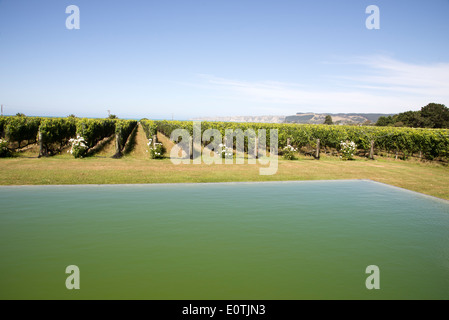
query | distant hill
(337,118)
(262,119)
(311,118)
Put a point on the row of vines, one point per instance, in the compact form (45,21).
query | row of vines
(123,129)
(428,143)
(55,133)
(157,150)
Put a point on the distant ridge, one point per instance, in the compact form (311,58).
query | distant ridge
(261,119)
(337,118)
(305,118)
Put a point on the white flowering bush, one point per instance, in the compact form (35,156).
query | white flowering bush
(347,150)
(4,151)
(288,152)
(157,151)
(79,147)
(225,152)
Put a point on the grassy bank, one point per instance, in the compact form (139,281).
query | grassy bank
(430,179)
(136,167)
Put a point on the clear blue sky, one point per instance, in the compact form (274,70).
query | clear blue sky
(222,57)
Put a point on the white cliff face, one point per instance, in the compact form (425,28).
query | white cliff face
(262,119)
(341,118)
(306,118)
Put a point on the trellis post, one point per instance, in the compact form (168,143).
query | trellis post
(371,151)
(41,144)
(154,141)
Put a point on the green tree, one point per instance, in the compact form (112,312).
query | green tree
(412,119)
(112,116)
(328,120)
(435,115)
(385,121)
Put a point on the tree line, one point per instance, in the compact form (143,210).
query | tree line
(433,115)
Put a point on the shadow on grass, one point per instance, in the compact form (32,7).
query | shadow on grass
(99,147)
(131,143)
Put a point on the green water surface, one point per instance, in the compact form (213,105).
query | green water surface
(280,240)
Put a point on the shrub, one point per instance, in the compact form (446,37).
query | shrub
(347,150)
(288,153)
(4,151)
(79,147)
(225,152)
(157,151)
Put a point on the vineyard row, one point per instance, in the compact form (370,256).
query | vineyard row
(54,133)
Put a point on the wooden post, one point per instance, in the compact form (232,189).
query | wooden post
(289,141)
(256,147)
(117,144)
(41,145)
(396,158)
(420,155)
(317,153)
(191,148)
(371,150)
(154,141)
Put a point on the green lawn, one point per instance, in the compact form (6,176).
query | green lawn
(136,167)
(428,178)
